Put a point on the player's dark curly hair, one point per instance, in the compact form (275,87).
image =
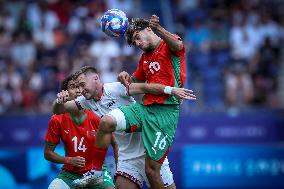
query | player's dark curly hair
(64,83)
(136,24)
(85,70)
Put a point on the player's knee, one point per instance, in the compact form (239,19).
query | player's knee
(107,124)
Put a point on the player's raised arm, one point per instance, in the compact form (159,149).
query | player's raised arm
(62,105)
(173,42)
(157,89)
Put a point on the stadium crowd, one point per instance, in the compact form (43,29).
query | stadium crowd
(234,49)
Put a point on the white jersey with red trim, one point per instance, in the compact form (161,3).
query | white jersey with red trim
(115,95)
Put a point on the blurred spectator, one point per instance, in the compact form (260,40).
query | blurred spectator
(103,50)
(29,98)
(270,29)
(38,13)
(22,50)
(124,5)
(238,86)
(219,35)
(83,58)
(5,41)
(243,45)
(265,72)
(234,49)
(44,37)
(197,37)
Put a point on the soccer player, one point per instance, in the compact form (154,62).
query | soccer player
(163,62)
(77,132)
(101,99)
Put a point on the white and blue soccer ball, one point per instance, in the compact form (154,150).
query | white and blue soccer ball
(114,23)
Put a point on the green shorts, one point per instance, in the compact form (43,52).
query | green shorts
(158,124)
(69,177)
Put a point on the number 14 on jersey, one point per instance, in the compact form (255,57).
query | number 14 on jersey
(81,146)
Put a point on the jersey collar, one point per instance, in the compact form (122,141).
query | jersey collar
(80,121)
(155,47)
(158,43)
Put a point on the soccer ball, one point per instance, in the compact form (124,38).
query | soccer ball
(114,23)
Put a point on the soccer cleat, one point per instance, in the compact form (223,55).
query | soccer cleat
(88,179)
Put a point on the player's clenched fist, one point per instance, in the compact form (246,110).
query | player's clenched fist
(154,22)
(62,97)
(124,78)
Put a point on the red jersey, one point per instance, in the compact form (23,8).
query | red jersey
(162,66)
(78,137)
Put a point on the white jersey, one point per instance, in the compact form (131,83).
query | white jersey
(115,95)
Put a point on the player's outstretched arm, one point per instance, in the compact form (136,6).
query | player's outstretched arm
(174,43)
(180,93)
(158,89)
(50,155)
(62,105)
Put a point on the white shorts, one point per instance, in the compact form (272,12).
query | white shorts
(134,170)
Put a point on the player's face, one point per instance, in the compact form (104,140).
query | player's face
(73,90)
(88,85)
(143,40)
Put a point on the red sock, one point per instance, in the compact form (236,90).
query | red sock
(99,158)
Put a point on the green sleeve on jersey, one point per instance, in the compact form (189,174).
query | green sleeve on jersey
(176,68)
(134,80)
(50,143)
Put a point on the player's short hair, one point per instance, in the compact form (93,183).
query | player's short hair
(85,70)
(136,24)
(64,83)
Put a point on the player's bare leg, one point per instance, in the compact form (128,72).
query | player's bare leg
(152,169)
(124,183)
(103,136)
